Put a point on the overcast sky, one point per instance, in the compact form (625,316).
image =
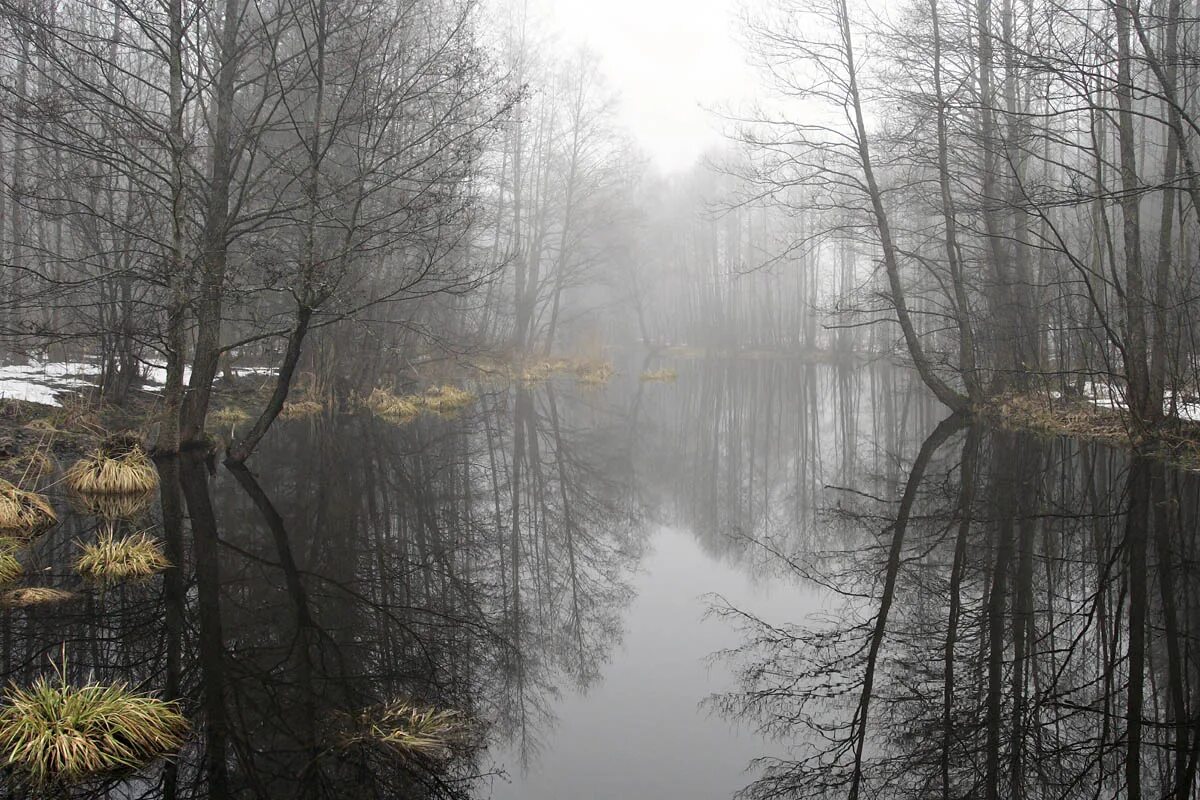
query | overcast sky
(669,60)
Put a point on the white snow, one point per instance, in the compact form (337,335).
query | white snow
(41,381)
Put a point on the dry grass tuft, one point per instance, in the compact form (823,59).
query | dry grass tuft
(446,399)
(665,374)
(109,471)
(34,596)
(10,567)
(301,409)
(113,559)
(54,733)
(24,514)
(593,373)
(1072,417)
(31,466)
(229,415)
(409,730)
(402,408)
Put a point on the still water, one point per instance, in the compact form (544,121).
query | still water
(792,580)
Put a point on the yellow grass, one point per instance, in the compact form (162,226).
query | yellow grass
(399,407)
(30,466)
(113,559)
(300,409)
(230,415)
(34,596)
(446,399)
(10,567)
(109,472)
(407,729)
(593,373)
(406,407)
(665,374)
(24,514)
(53,733)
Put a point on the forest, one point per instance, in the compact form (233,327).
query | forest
(1004,194)
(858,449)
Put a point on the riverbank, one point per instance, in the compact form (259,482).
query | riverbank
(1177,441)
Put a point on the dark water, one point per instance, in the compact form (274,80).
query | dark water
(658,591)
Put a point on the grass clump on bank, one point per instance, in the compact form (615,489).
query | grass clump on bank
(24,514)
(399,407)
(53,733)
(114,471)
(407,407)
(31,466)
(409,730)
(446,399)
(301,409)
(665,374)
(229,415)
(113,559)
(593,373)
(28,596)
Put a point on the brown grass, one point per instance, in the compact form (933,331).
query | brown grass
(446,399)
(58,734)
(593,373)
(113,559)
(401,408)
(34,596)
(407,730)
(30,466)
(24,514)
(302,409)
(664,375)
(229,415)
(1070,417)
(443,400)
(108,471)
(10,567)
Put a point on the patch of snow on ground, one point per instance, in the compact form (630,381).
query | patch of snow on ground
(40,382)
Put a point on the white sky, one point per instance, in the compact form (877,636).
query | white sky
(670,61)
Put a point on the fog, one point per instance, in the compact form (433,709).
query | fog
(878,315)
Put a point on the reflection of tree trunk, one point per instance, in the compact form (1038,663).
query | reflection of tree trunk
(173,594)
(1006,463)
(560,458)
(211,640)
(1164,517)
(1135,549)
(965,501)
(928,448)
(306,629)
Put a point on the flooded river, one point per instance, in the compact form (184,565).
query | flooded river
(789,579)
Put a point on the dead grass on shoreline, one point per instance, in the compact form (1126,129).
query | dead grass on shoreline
(444,400)
(1177,441)
(107,471)
(23,514)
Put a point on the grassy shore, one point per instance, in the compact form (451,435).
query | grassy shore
(1176,441)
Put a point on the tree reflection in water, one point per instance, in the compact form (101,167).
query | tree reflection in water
(1015,621)
(475,564)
